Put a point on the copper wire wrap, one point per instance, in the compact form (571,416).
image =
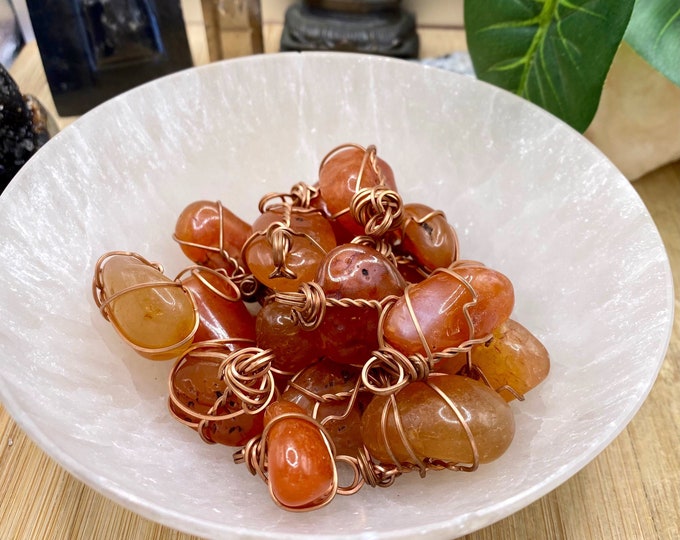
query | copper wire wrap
(104,302)
(309,303)
(254,455)
(248,375)
(379,209)
(300,196)
(199,273)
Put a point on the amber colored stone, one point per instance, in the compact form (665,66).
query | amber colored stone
(513,357)
(154,317)
(438,307)
(358,271)
(235,431)
(222,316)
(197,385)
(300,466)
(199,223)
(432,242)
(326,378)
(342,235)
(313,237)
(432,427)
(293,347)
(350,334)
(338,177)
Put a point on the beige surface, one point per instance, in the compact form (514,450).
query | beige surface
(631,491)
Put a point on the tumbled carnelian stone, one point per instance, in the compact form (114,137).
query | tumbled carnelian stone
(199,223)
(313,238)
(358,271)
(513,357)
(432,243)
(222,316)
(324,378)
(154,317)
(433,429)
(300,467)
(293,347)
(338,183)
(438,304)
(349,334)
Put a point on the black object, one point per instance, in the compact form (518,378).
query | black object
(369,26)
(25,126)
(93,50)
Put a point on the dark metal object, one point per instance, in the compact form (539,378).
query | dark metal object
(373,26)
(93,50)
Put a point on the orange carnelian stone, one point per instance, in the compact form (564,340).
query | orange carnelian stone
(199,223)
(222,316)
(350,334)
(312,238)
(338,182)
(438,307)
(293,347)
(432,243)
(300,467)
(513,357)
(433,429)
(154,317)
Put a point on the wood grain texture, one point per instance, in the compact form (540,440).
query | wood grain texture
(630,491)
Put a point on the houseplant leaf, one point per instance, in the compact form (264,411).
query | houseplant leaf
(555,53)
(654,33)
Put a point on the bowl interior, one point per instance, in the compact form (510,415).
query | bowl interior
(527,195)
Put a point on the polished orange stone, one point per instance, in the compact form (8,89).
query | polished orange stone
(350,334)
(312,237)
(431,426)
(431,242)
(199,223)
(300,467)
(153,317)
(339,181)
(438,303)
(513,357)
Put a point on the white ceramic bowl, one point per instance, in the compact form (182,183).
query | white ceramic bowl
(528,195)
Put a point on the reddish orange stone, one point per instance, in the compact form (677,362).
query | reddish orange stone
(431,242)
(514,357)
(433,429)
(438,307)
(222,316)
(300,467)
(339,181)
(199,223)
(313,237)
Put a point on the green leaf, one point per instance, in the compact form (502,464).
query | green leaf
(654,33)
(555,53)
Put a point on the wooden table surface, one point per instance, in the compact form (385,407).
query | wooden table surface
(630,491)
